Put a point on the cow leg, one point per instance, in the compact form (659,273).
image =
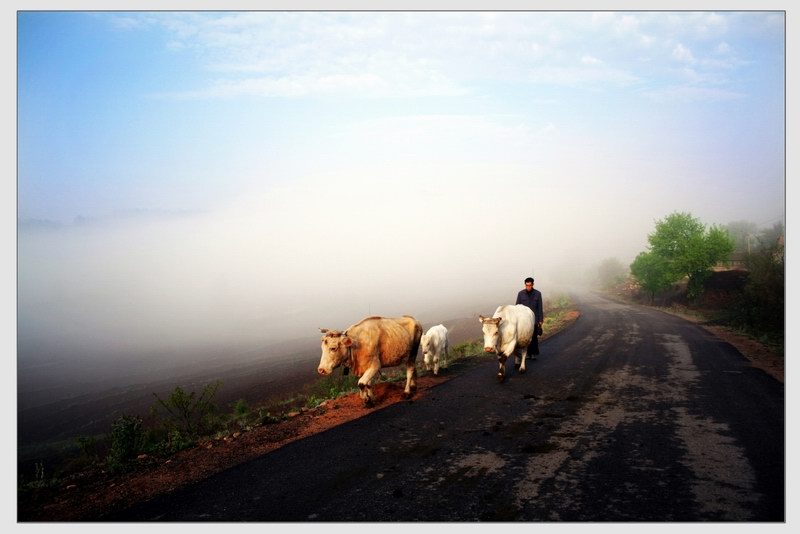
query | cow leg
(411,375)
(436,364)
(524,352)
(365,387)
(501,373)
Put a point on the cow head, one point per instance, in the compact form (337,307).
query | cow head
(425,343)
(335,350)
(491,333)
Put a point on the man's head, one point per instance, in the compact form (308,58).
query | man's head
(529,283)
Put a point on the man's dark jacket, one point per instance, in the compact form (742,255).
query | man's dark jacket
(533,300)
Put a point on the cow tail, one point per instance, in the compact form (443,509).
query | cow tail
(417,342)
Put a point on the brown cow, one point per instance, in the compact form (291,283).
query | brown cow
(370,344)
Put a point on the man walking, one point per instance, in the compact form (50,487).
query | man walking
(532,298)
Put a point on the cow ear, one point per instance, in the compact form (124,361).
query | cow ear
(481,318)
(323,330)
(498,320)
(347,341)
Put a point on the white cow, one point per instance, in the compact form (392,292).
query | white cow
(435,347)
(509,331)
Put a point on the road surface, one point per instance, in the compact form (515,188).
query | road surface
(629,415)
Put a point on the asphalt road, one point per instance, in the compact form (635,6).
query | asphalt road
(629,415)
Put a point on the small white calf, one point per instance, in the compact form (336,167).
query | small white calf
(435,347)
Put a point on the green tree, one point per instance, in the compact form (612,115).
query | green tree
(652,273)
(688,249)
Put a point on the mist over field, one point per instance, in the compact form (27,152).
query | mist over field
(134,289)
(210,185)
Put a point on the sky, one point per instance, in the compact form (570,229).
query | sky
(188,179)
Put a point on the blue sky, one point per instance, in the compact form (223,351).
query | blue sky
(394,159)
(184,111)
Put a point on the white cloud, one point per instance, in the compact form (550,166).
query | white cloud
(291,54)
(628,24)
(683,54)
(590,60)
(578,76)
(124,22)
(694,94)
(364,85)
(548,128)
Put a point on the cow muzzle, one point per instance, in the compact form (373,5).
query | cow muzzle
(322,371)
(488,349)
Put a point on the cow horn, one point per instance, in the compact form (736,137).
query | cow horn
(323,330)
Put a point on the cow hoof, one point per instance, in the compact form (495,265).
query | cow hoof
(522,370)
(500,377)
(406,395)
(369,404)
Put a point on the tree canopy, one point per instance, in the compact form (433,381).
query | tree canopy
(681,246)
(651,273)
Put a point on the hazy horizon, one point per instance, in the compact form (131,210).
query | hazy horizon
(189,180)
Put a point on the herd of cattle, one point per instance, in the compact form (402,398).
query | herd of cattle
(376,342)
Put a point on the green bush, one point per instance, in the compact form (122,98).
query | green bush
(127,440)
(760,310)
(189,413)
(241,409)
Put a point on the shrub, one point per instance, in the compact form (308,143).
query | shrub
(188,413)
(241,409)
(760,309)
(127,439)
